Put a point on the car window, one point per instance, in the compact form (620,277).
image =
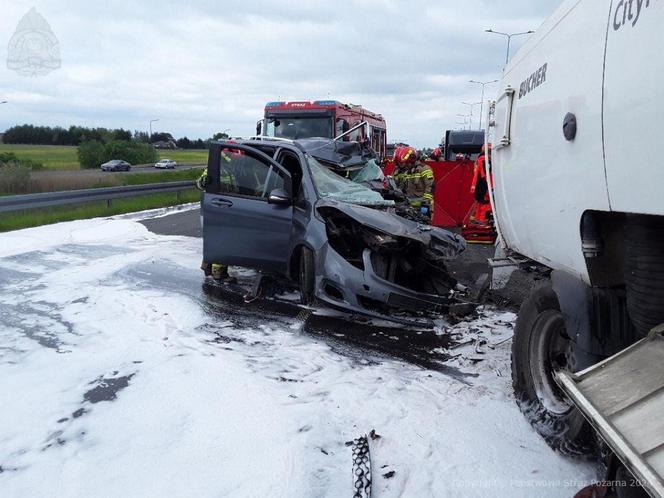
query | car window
(243,175)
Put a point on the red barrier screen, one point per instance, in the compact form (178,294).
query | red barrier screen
(452,198)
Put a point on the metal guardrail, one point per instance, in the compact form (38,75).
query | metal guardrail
(52,199)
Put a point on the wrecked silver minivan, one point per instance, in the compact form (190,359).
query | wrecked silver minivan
(275,207)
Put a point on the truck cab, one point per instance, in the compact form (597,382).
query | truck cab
(577,190)
(324,119)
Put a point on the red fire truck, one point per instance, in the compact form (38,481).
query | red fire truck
(326,119)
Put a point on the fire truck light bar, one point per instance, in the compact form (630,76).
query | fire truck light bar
(325,102)
(274,104)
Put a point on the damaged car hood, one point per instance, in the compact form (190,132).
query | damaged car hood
(447,244)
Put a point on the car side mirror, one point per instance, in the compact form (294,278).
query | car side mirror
(279,197)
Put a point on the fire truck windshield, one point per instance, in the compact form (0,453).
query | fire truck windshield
(299,127)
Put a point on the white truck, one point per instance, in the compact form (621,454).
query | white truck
(578,181)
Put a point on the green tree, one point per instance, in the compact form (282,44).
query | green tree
(91,154)
(122,134)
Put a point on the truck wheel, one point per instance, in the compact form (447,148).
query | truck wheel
(540,347)
(307,276)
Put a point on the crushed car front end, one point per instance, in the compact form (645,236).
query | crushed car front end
(378,264)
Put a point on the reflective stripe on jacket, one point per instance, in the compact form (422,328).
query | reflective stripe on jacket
(417,182)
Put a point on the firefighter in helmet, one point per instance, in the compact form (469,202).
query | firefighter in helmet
(415,179)
(437,154)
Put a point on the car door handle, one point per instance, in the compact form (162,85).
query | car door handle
(221,203)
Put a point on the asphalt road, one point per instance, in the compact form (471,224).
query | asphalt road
(187,223)
(467,269)
(78,173)
(122,366)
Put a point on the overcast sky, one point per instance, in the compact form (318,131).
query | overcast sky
(205,65)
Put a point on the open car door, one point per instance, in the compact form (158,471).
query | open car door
(247,209)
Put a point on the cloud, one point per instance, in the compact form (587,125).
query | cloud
(208,66)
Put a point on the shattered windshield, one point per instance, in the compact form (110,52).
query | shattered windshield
(371,172)
(331,185)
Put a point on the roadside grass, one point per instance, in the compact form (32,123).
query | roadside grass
(54,157)
(164,176)
(60,181)
(65,157)
(47,216)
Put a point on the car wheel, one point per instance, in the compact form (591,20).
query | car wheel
(307,276)
(541,347)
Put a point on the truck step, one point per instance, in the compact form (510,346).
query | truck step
(623,398)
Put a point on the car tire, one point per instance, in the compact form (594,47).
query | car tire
(540,347)
(307,277)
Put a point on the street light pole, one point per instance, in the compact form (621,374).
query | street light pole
(152,121)
(472,106)
(465,120)
(484,84)
(509,39)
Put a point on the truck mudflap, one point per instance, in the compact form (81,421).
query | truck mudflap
(623,398)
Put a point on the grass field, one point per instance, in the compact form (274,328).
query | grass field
(185,156)
(63,157)
(162,176)
(58,157)
(37,217)
(55,181)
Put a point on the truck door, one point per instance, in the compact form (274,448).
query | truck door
(633,105)
(241,226)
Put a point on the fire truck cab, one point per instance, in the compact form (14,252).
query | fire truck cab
(324,119)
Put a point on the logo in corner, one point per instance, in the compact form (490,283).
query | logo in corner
(33,48)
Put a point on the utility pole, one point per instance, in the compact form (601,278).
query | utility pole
(150,136)
(472,106)
(509,39)
(465,120)
(484,84)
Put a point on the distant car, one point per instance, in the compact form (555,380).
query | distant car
(116,165)
(166,164)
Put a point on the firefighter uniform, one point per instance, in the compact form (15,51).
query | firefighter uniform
(417,183)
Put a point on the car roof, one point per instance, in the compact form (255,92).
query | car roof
(341,154)
(258,143)
(302,145)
